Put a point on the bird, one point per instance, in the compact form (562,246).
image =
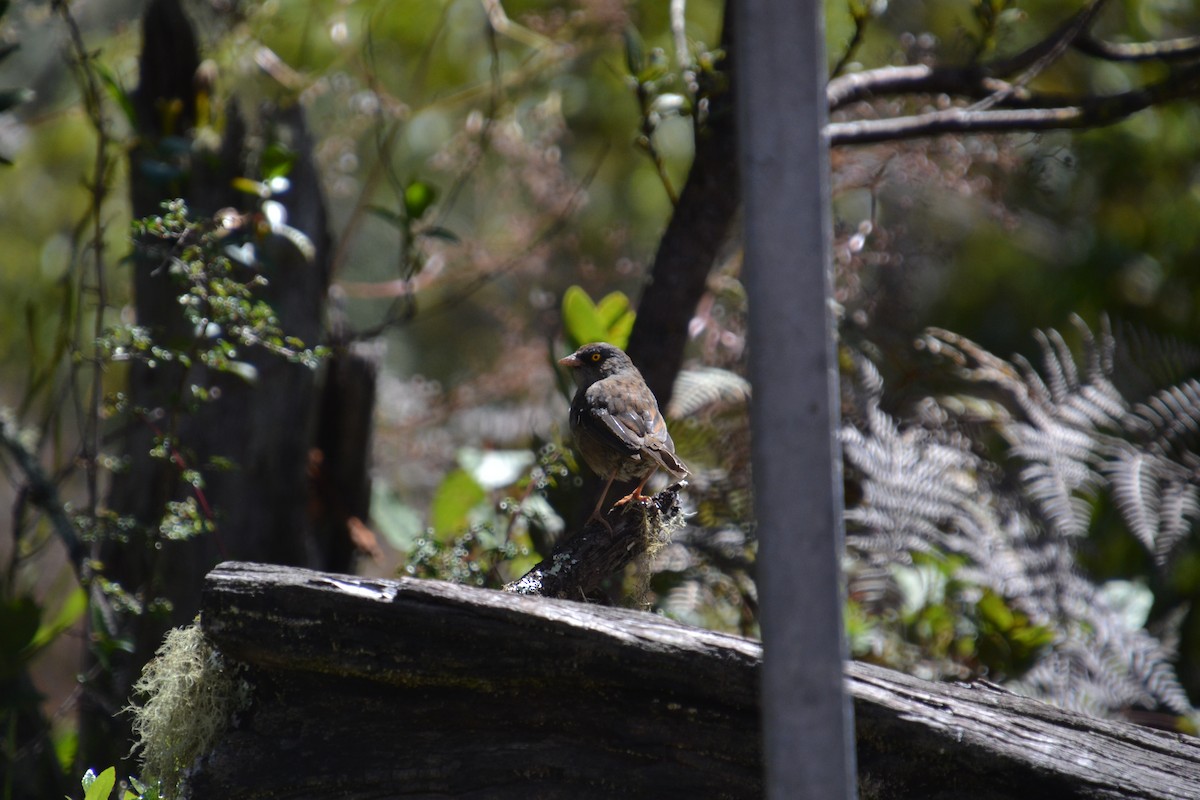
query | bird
(615,420)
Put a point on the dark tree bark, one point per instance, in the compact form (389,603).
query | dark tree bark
(698,230)
(373,688)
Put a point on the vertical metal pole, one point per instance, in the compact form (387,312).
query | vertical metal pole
(779,66)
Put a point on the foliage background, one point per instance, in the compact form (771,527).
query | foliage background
(529,134)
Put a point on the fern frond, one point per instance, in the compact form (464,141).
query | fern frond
(1071,434)
(707,390)
(1170,420)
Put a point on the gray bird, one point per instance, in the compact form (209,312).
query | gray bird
(616,423)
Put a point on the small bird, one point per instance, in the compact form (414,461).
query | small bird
(618,428)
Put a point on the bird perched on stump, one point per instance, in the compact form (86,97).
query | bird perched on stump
(615,420)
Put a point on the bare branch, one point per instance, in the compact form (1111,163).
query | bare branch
(1032,112)
(1181,49)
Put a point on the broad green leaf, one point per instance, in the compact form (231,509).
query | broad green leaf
(581,321)
(618,332)
(99,787)
(612,307)
(70,613)
(452,503)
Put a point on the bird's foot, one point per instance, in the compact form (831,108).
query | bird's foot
(629,498)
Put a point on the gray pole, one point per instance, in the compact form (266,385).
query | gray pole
(779,66)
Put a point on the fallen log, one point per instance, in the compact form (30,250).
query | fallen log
(407,688)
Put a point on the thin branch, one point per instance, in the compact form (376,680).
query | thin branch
(94,103)
(1081,112)
(914,79)
(44,494)
(1167,50)
(976,81)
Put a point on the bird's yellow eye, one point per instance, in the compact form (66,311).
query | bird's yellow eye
(595,356)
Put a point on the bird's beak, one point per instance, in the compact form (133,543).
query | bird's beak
(570,361)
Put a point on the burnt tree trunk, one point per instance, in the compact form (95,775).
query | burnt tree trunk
(287,448)
(377,688)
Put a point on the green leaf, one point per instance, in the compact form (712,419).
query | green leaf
(99,787)
(277,161)
(612,307)
(617,318)
(452,503)
(70,613)
(610,320)
(418,197)
(66,746)
(581,320)
(618,332)
(995,611)
(117,92)
(256,188)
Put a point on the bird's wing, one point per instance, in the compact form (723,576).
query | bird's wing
(637,425)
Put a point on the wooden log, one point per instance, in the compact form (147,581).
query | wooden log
(408,688)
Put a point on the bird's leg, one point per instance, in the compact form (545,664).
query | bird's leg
(599,503)
(636,494)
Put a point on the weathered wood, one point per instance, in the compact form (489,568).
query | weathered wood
(379,688)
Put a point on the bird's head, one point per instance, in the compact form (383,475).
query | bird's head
(593,362)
